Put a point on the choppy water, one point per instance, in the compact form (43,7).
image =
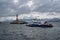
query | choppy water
(22,32)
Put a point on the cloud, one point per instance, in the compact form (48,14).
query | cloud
(13,7)
(8,7)
(46,6)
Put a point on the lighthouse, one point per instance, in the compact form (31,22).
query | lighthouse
(17,21)
(17,18)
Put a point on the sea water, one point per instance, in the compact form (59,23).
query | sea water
(23,32)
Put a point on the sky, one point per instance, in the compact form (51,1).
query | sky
(29,9)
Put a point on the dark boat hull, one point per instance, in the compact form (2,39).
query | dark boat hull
(33,25)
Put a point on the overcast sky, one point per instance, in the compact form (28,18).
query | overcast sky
(30,8)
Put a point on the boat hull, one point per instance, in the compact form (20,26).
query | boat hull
(33,25)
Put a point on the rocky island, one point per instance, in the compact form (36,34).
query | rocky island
(17,21)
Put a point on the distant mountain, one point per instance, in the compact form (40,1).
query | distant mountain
(49,20)
(53,20)
(8,21)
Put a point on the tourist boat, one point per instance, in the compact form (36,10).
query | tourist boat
(39,24)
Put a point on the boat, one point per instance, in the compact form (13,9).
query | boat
(39,24)
(17,21)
